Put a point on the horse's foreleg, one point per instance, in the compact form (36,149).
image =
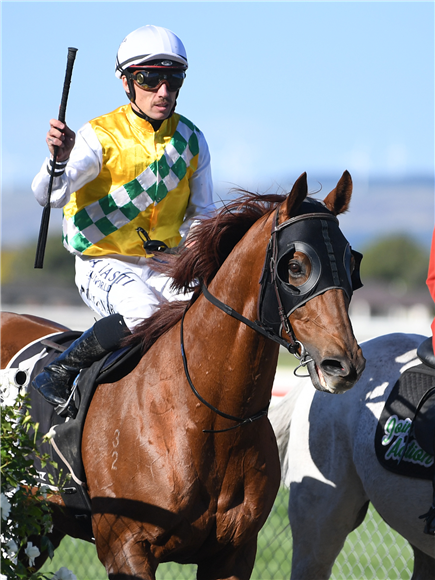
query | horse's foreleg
(231,564)
(128,559)
(122,549)
(424,566)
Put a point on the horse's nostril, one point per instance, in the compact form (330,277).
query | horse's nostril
(334,367)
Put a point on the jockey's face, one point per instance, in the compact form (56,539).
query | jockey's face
(156,103)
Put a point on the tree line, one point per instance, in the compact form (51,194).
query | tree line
(394,258)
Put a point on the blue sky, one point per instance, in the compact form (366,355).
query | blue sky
(278,88)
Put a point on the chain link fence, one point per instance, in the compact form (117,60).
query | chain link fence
(372,552)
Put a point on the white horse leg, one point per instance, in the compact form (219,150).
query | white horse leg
(321,519)
(327,499)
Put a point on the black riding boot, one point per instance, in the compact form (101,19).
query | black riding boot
(55,383)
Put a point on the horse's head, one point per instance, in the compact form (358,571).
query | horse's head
(313,273)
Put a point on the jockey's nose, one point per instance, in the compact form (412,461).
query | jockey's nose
(163,89)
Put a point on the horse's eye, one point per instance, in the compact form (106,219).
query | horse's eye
(294,267)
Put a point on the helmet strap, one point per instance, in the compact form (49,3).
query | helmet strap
(156,124)
(131,88)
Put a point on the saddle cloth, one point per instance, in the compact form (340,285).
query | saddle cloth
(64,447)
(405,432)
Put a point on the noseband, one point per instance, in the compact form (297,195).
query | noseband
(318,236)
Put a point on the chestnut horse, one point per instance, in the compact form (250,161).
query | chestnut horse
(180,458)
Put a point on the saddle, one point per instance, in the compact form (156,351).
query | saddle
(405,435)
(65,433)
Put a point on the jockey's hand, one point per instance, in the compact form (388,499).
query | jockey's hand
(60,135)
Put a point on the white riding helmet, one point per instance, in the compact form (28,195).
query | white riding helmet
(150,43)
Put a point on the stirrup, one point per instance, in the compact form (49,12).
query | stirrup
(429,518)
(68,409)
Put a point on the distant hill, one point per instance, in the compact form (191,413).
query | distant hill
(384,207)
(379,207)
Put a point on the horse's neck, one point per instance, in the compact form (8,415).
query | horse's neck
(240,358)
(237,283)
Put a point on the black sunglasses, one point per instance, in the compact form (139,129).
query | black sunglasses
(153,79)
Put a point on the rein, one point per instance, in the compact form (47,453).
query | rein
(292,346)
(257,326)
(240,420)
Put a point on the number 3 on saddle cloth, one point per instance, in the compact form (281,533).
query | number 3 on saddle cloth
(405,435)
(65,432)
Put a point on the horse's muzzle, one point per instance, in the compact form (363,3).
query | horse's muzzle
(336,375)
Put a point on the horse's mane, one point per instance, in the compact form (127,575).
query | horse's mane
(210,243)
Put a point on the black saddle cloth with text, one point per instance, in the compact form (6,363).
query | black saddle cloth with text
(401,448)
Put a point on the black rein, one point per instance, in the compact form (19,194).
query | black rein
(240,420)
(292,346)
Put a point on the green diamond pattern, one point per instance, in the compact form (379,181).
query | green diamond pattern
(164,168)
(188,123)
(193,144)
(161,191)
(179,142)
(108,204)
(130,211)
(105,226)
(133,188)
(82,219)
(91,224)
(154,168)
(179,168)
(79,242)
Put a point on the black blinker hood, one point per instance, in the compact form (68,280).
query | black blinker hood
(314,231)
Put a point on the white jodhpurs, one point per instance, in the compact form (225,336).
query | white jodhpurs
(125,286)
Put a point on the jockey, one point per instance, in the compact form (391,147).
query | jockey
(140,166)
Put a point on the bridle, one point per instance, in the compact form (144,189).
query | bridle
(279,299)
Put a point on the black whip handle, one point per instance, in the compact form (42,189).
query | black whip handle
(45,219)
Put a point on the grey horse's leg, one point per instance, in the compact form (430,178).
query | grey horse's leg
(321,517)
(424,566)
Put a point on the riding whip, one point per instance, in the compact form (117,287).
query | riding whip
(45,220)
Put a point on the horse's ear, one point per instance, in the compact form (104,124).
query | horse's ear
(338,200)
(295,197)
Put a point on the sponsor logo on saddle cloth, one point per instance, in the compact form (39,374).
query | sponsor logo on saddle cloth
(396,435)
(404,427)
